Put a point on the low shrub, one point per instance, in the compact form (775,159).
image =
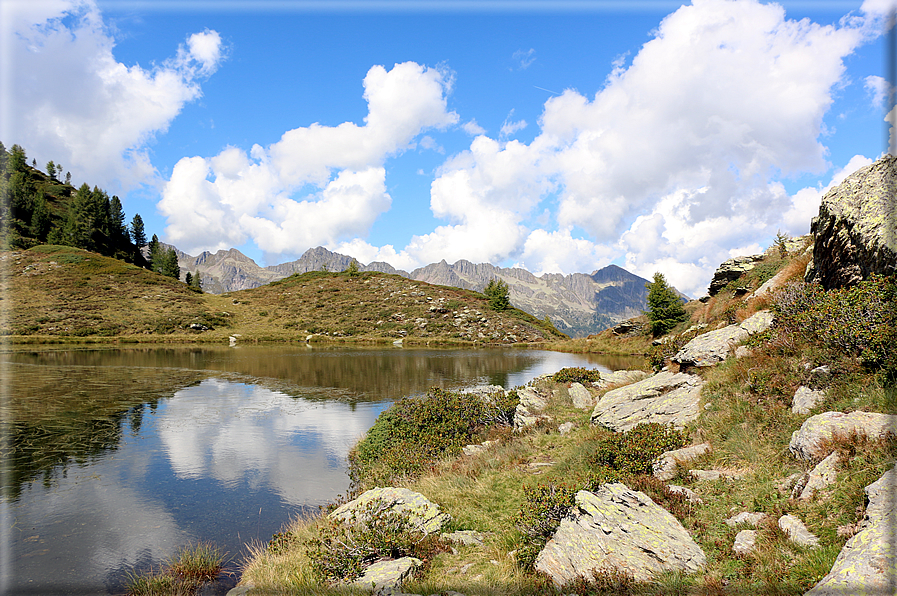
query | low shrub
(543,508)
(182,575)
(634,451)
(576,374)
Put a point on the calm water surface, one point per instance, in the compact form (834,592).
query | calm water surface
(113,459)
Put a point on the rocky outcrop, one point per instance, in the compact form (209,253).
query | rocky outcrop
(713,347)
(666,397)
(620,529)
(797,532)
(582,398)
(822,475)
(746,517)
(665,466)
(620,377)
(810,440)
(856,229)
(868,562)
(731,270)
(423,514)
(383,576)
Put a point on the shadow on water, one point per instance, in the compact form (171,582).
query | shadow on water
(115,458)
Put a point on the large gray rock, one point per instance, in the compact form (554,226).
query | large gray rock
(867,565)
(665,466)
(744,542)
(805,399)
(382,576)
(809,441)
(423,514)
(617,528)
(712,348)
(620,377)
(730,271)
(582,398)
(666,397)
(531,399)
(856,229)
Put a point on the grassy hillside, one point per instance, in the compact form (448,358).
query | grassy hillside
(59,294)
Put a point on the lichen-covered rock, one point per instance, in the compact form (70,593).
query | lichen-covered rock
(383,575)
(805,399)
(797,532)
(617,528)
(808,442)
(665,466)
(856,229)
(744,542)
(710,348)
(867,565)
(531,399)
(620,377)
(465,537)
(582,398)
(824,474)
(713,347)
(666,398)
(730,271)
(423,514)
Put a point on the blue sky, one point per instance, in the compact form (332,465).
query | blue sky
(555,136)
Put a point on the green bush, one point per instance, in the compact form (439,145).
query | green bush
(414,433)
(859,321)
(543,508)
(344,548)
(634,451)
(576,374)
(498,294)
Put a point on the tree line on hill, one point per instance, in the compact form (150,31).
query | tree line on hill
(38,208)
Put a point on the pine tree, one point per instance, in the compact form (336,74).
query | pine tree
(665,309)
(498,294)
(170,265)
(137,233)
(196,281)
(51,170)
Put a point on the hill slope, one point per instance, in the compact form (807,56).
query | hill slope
(59,292)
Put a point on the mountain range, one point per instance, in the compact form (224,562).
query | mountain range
(578,304)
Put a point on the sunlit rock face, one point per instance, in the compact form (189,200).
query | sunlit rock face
(856,230)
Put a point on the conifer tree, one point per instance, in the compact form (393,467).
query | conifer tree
(498,294)
(138,236)
(665,309)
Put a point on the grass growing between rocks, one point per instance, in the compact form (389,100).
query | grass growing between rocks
(183,574)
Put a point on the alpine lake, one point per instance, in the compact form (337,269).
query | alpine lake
(115,458)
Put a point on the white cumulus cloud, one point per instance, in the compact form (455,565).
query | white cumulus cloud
(264,196)
(74,103)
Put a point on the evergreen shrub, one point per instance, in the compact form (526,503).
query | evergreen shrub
(576,374)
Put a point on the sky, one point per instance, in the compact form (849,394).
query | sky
(559,137)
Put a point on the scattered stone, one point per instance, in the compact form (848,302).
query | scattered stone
(713,474)
(787,484)
(465,537)
(686,492)
(384,576)
(821,374)
(472,449)
(758,322)
(710,348)
(617,528)
(566,427)
(808,442)
(731,270)
(868,562)
(797,532)
(620,377)
(856,229)
(627,328)
(423,514)
(531,399)
(805,399)
(744,542)
(745,517)
(666,398)
(824,474)
(743,351)
(582,398)
(665,466)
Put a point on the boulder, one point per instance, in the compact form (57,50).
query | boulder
(383,576)
(805,399)
(713,347)
(617,528)
(868,562)
(582,398)
(809,441)
(797,532)
(666,397)
(566,427)
(745,517)
(531,399)
(744,542)
(856,229)
(465,537)
(731,270)
(824,474)
(621,377)
(710,348)
(665,466)
(423,514)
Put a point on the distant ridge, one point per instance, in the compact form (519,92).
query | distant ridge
(578,304)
